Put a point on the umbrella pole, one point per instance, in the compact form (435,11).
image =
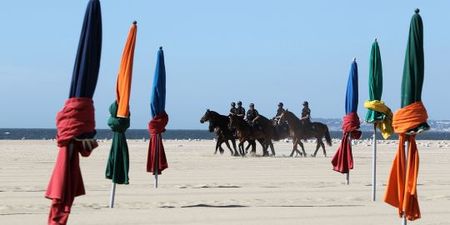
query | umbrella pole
(404,221)
(113,194)
(347,176)
(374,163)
(156,164)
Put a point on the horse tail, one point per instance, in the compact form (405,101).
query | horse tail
(327,136)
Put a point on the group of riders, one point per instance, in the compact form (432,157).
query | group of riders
(252,114)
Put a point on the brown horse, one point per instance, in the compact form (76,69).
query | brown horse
(219,125)
(298,132)
(246,132)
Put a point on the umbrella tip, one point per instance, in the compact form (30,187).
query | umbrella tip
(160,47)
(354,59)
(135,22)
(417,11)
(376,39)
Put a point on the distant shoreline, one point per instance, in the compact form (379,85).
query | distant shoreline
(175,134)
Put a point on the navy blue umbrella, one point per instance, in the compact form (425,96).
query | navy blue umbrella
(87,61)
(76,121)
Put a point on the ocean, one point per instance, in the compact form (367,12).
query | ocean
(44,134)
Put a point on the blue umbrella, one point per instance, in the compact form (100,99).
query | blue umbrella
(156,161)
(351,98)
(343,159)
(87,61)
(158,99)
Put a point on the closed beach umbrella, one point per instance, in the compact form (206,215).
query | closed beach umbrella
(343,159)
(156,161)
(401,191)
(378,113)
(119,121)
(75,122)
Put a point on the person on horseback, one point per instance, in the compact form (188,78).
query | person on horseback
(240,111)
(280,110)
(252,114)
(233,110)
(306,116)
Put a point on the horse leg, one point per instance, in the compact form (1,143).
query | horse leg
(317,148)
(228,145)
(303,148)
(241,148)
(294,147)
(233,141)
(272,148)
(323,147)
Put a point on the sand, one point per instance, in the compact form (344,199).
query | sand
(203,188)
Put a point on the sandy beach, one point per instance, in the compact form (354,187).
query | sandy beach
(202,188)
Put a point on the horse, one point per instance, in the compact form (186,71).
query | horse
(246,132)
(298,132)
(219,125)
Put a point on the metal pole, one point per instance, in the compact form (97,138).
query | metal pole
(404,221)
(113,194)
(156,163)
(374,163)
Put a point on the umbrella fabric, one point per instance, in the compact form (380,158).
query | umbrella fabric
(75,122)
(118,161)
(401,191)
(343,159)
(76,118)
(413,69)
(375,82)
(87,61)
(385,125)
(159,118)
(119,121)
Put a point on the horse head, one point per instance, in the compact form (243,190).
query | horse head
(283,117)
(206,116)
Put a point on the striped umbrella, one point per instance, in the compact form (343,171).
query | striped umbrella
(343,159)
(411,119)
(118,161)
(156,161)
(76,121)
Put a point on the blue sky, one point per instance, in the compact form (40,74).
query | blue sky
(217,52)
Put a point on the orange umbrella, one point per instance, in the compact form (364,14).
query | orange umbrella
(401,191)
(123,85)
(118,161)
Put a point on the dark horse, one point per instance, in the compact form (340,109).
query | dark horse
(298,132)
(219,125)
(262,131)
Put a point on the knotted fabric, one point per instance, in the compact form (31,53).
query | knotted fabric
(156,149)
(118,161)
(401,191)
(343,159)
(74,120)
(385,125)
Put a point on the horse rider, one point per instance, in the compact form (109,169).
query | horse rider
(280,111)
(233,109)
(306,115)
(252,113)
(240,111)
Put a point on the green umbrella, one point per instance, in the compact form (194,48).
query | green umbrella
(375,82)
(413,70)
